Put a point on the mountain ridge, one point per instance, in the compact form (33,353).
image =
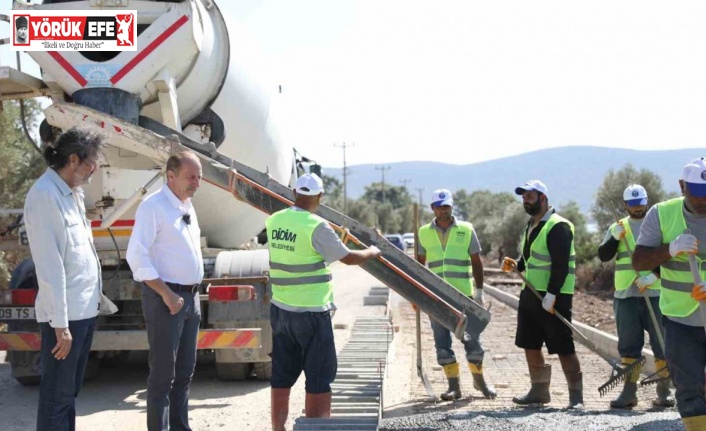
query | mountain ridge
(570,173)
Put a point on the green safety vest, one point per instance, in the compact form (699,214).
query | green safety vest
(299,275)
(452,263)
(539,264)
(677,282)
(624,273)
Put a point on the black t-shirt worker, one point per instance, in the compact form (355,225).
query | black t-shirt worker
(548,259)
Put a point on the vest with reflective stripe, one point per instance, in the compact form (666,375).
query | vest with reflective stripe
(624,274)
(675,299)
(452,263)
(298,273)
(539,264)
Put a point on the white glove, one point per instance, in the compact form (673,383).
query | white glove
(478,297)
(618,231)
(548,302)
(645,281)
(684,243)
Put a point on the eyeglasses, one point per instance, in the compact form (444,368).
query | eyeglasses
(186,218)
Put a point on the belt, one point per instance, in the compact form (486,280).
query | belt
(187,288)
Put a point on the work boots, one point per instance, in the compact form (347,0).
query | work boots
(628,397)
(539,392)
(694,423)
(479,381)
(575,383)
(664,391)
(452,375)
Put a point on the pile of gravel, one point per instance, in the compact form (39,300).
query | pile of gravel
(532,419)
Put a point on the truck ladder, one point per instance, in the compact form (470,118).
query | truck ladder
(394,268)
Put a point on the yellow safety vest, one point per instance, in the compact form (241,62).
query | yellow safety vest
(677,282)
(624,273)
(299,275)
(539,264)
(452,263)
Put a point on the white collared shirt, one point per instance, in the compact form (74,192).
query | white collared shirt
(65,260)
(162,245)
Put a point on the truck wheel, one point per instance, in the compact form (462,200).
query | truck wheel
(233,370)
(25,367)
(263,370)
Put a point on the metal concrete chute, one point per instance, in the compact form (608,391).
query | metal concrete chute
(395,268)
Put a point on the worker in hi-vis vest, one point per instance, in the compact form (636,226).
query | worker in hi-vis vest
(663,242)
(302,245)
(548,259)
(450,248)
(632,315)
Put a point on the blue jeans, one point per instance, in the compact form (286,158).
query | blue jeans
(62,379)
(172,359)
(632,318)
(686,356)
(445,355)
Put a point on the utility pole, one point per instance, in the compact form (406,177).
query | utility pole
(405,182)
(383,169)
(345,174)
(420,208)
(420,190)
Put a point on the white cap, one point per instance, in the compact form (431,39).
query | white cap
(694,175)
(635,195)
(535,185)
(442,197)
(309,184)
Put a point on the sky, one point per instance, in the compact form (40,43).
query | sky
(466,81)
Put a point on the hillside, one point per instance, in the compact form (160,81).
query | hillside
(570,173)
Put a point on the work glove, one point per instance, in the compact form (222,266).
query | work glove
(478,297)
(644,282)
(548,302)
(699,291)
(684,243)
(508,265)
(618,231)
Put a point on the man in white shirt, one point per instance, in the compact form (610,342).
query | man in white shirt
(164,253)
(68,273)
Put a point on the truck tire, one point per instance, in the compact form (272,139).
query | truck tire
(25,367)
(263,370)
(230,371)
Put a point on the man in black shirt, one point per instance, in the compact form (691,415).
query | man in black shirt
(549,261)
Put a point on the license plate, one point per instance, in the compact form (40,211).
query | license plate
(17,313)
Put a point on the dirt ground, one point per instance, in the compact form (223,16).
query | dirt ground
(115,401)
(593,309)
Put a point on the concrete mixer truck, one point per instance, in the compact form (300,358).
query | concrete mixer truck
(188,85)
(189,74)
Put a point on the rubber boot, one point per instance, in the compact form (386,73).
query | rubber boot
(539,392)
(479,383)
(664,390)
(280,407)
(695,423)
(628,396)
(452,375)
(575,382)
(317,405)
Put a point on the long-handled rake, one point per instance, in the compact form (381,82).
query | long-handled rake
(618,373)
(655,377)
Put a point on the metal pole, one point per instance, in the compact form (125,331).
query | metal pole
(383,169)
(345,175)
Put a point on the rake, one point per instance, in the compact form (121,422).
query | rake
(618,373)
(655,377)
